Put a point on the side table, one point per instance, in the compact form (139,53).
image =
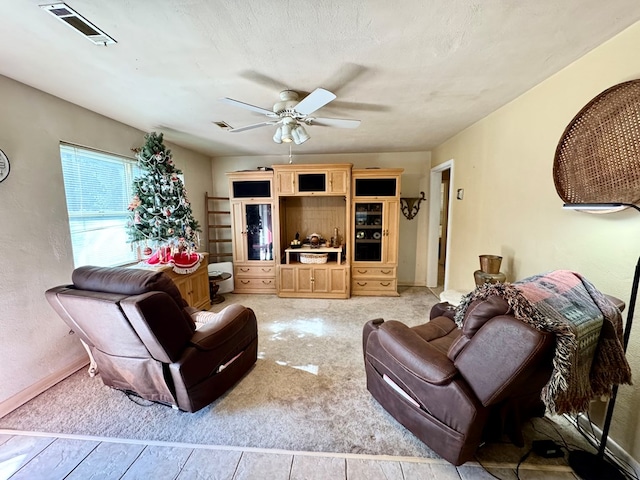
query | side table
(215,277)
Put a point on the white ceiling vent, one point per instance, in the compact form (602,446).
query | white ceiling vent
(223,125)
(72,18)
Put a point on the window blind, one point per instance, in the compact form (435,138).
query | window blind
(98,191)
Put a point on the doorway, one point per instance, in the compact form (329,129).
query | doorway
(439,226)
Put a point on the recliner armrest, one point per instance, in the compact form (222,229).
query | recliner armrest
(415,354)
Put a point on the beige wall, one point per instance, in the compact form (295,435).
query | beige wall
(504,163)
(415,178)
(36,250)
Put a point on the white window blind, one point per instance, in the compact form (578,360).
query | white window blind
(98,190)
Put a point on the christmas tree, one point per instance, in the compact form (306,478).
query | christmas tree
(160,213)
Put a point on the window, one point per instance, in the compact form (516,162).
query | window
(98,190)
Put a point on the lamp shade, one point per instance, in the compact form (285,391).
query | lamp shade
(302,134)
(286,133)
(277,137)
(600,207)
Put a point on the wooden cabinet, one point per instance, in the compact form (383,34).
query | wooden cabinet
(374,281)
(338,181)
(355,211)
(194,287)
(252,226)
(285,182)
(313,199)
(255,278)
(320,280)
(376,206)
(309,281)
(376,231)
(330,179)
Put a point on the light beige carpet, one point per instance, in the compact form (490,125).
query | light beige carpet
(307,391)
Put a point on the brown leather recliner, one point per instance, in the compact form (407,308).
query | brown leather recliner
(454,388)
(143,337)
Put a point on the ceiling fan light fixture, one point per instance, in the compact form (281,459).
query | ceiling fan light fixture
(302,134)
(277,137)
(295,135)
(286,133)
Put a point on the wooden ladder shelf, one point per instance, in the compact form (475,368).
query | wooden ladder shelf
(218,227)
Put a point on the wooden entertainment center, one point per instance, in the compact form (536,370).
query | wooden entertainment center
(346,219)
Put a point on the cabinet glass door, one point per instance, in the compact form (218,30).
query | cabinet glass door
(259,235)
(368,232)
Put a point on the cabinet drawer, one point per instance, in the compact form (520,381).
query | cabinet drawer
(255,285)
(255,271)
(374,287)
(374,272)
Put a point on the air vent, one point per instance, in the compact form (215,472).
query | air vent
(72,18)
(223,125)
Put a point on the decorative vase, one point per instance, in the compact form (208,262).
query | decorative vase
(490,263)
(489,270)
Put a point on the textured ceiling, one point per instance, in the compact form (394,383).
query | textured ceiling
(414,72)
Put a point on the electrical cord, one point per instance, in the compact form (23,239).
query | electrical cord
(485,468)
(567,446)
(137,400)
(624,467)
(521,461)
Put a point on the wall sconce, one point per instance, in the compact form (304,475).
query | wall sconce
(409,206)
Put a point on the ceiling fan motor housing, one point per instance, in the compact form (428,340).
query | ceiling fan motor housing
(288,101)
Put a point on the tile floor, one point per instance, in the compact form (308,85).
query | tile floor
(31,455)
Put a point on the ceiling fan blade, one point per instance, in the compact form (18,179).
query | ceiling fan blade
(314,101)
(247,106)
(333,122)
(251,127)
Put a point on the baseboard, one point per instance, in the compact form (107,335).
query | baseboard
(40,386)
(615,449)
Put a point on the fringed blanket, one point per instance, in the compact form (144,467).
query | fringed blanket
(589,358)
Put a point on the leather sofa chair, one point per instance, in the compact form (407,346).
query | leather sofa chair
(146,340)
(456,387)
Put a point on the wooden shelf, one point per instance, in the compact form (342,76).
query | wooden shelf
(218,226)
(330,250)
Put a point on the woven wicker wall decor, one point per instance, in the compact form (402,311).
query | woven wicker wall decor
(598,157)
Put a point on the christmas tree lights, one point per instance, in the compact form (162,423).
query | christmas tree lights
(160,213)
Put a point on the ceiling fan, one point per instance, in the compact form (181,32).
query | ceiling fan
(292,114)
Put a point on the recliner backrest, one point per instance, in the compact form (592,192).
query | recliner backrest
(481,311)
(502,354)
(156,319)
(477,314)
(128,281)
(96,317)
(126,312)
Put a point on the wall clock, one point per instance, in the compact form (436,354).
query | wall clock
(4,166)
